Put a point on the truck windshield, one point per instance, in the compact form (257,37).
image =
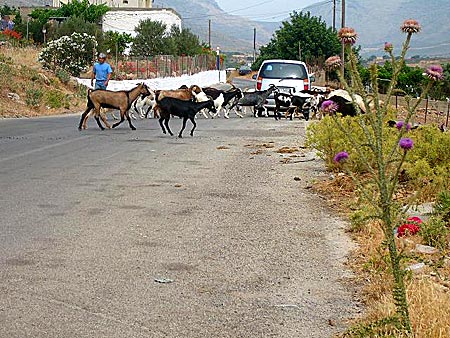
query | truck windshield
(277,70)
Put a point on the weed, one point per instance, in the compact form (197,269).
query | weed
(62,75)
(33,96)
(56,99)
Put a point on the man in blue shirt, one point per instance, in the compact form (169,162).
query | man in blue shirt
(101,72)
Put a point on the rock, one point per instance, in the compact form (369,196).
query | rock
(425,249)
(14,96)
(45,79)
(423,211)
(415,267)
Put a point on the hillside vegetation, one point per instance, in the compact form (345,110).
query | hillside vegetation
(28,90)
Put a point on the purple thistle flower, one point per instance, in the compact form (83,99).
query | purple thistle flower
(329,106)
(435,72)
(333,62)
(340,157)
(401,124)
(347,35)
(406,143)
(388,47)
(410,26)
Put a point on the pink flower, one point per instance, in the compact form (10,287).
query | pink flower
(340,157)
(410,26)
(435,72)
(406,143)
(401,124)
(388,47)
(329,106)
(347,35)
(333,62)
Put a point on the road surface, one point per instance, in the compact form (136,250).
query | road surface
(127,233)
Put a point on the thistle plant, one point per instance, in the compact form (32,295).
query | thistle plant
(72,53)
(382,159)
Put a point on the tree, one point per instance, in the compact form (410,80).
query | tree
(74,24)
(185,42)
(303,32)
(82,9)
(115,42)
(151,39)
(74,9)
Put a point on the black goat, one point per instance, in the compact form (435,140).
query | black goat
(257,99)
(281,100)
(299,104)
(234,93)
(181,108)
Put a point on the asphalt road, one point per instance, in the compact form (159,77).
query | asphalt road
(127,233)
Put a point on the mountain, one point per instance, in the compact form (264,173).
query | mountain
(376,22)
(379,21)
(230,32)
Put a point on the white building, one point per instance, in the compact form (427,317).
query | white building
(113,3)
(124,15)
(125,20)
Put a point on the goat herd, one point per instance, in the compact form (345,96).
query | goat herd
(186,102)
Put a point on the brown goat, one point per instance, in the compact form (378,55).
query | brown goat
(121,100)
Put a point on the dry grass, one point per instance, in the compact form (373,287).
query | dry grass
(23,56)
(428,289)
(24,81)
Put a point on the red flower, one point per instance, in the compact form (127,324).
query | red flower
(12,34)
(409,228)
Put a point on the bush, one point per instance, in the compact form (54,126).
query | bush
(33,96)
(72,53)
(62,75)
(56,99)
(426,168)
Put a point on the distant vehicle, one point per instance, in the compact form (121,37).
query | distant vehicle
(244,70)
(290,76)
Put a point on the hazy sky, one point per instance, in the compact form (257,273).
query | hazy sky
(266,10)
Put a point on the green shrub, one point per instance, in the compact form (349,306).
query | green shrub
(435,232)
(33,96)
(442,206)
(63,75)
(426,167)
(56,99)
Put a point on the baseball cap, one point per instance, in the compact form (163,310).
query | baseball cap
(102,56)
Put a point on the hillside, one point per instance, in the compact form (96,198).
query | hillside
(32,91)
(375,21)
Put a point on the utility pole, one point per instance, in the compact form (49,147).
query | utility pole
(334,15)
(299,50)
(343,45)
(209,33)
(254,45)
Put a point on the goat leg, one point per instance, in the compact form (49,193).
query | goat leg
(180,135)
(105,121)
(195,125)
(122,118)
(166,122)
(82,124)
(99,123)
(127,115)
(161,119)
